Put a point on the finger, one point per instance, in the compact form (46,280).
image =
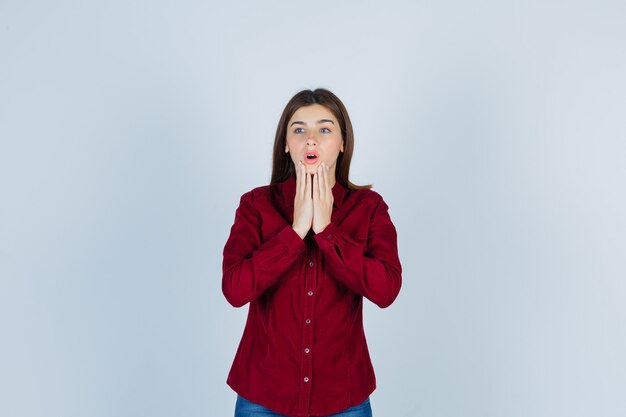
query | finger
(307,189)
(329,190)
(327,186)
(298,178)
(320,185)
(321,180)
(316,187)
(302,174)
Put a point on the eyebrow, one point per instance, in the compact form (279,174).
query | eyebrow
(318,122)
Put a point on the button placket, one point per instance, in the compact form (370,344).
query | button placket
(310,280)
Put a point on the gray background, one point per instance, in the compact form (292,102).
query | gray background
(493,129)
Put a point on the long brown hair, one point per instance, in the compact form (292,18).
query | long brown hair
(282,165)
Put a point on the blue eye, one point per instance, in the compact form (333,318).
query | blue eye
(298,130)
(325,130)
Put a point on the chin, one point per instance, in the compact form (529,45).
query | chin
(312,169)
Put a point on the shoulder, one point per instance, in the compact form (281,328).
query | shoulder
(255,193)
(259,194)
(367,199)
(259,191)
(366,195)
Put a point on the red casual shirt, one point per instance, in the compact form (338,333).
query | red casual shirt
(303,350)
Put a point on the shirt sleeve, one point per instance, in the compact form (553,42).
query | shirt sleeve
(250,266)
(372,269)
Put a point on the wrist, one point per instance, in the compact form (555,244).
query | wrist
(300,231)
(320,229)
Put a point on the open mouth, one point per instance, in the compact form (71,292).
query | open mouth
(310,157)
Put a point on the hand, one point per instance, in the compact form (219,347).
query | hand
(322,198)
(303,203)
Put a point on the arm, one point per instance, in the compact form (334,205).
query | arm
(249,266)
(372,270)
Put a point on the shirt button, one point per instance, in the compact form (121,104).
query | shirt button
(311,264)
(330,237)
(306,379)
(310,293)
(306,350)
(308,321)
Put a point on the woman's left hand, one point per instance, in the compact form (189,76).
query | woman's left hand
(322,198)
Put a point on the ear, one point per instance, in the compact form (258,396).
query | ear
(286,149)
(341,149)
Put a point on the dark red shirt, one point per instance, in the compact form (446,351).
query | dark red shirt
(303,351)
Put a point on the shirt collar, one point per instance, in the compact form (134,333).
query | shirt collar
(289,192)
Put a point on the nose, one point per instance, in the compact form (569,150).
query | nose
(311,139)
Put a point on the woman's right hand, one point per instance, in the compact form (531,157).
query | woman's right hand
(303,202)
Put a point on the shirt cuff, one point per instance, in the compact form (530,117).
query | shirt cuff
(333,234)
(291,240)
(329,233)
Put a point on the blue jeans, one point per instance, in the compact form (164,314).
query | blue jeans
(245,408)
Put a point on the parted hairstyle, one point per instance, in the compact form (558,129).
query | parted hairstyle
(282,165)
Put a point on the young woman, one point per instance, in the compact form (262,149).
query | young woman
(304,251)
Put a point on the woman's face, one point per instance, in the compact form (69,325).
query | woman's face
(313,136)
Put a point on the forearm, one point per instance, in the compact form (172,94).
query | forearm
(375,273)
(247,274)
